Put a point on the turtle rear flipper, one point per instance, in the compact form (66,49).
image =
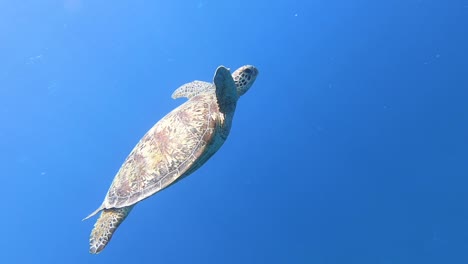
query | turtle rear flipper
(105,227)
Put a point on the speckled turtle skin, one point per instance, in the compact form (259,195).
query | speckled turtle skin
(174,147)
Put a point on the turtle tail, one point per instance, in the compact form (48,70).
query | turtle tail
(105,226)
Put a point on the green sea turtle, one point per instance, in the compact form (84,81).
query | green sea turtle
(174,147)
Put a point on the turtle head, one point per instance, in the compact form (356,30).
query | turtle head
(244,77)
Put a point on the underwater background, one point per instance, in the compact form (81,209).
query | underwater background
(351,147)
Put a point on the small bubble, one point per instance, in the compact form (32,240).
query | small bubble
(34,59)
(52,88)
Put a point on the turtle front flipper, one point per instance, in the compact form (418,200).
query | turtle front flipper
(105,226)
(192,89)
(226,90)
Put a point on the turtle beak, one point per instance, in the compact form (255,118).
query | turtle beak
(252,71)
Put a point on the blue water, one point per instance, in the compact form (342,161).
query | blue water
(351,147)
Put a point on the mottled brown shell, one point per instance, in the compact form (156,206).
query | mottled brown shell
(173,148)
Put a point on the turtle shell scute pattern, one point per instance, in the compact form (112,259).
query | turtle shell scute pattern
(174,145)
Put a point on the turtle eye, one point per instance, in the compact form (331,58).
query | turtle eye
(248,71)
